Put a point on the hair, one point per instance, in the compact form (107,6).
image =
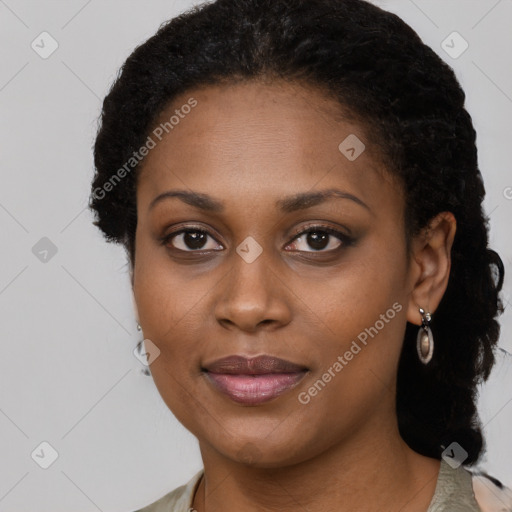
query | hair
(410,103)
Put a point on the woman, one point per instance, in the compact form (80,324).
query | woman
(296,186)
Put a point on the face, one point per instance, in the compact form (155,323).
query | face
(258,262)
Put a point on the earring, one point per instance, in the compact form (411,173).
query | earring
(141,351)
(425,339)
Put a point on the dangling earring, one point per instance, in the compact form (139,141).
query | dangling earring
(425,340)
(140,350)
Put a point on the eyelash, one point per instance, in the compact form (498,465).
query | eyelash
(344,239)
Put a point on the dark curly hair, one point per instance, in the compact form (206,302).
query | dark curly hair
(411,104)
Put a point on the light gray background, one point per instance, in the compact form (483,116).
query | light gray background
(67,372)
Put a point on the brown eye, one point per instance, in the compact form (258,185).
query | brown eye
(190,240)
(320,239)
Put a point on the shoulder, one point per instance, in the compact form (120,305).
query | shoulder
(490,493)
(468,490)
(178,500)
(454,490)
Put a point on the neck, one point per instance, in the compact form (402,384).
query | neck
(373,473)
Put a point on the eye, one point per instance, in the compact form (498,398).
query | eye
(190,240)
(320,238)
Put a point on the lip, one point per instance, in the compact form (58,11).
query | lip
(253,381)
(259,365)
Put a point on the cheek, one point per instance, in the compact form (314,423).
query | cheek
(357,371)
(167,314)
(166,309)
(162,296)
(363,314)
(369,282)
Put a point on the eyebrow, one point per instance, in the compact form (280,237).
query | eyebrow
(288,204)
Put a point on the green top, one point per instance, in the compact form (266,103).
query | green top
(453,493)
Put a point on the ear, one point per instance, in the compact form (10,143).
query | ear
(430,265)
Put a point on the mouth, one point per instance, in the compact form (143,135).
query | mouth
(252,381)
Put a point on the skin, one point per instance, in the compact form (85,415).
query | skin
(249,145)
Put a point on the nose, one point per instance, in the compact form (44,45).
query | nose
(252,296)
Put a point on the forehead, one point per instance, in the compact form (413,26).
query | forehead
(249,137)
